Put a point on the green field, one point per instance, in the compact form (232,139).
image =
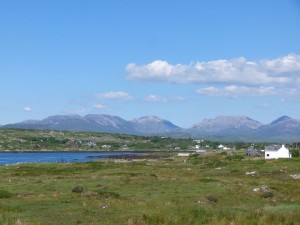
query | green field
(211,189)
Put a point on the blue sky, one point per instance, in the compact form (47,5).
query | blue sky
(180,60)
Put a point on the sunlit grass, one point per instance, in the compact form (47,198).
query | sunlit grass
(200,190)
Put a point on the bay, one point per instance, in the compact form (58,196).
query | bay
(7,158)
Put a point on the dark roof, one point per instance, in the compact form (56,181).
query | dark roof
(253,152)
(272,148)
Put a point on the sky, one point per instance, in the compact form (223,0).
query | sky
(181,60)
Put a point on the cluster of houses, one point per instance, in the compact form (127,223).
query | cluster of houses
(223,147)
(270,152)
(84,142)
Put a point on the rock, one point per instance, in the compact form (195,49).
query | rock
(262,188)
(250,173)
(103,206)
(295,176)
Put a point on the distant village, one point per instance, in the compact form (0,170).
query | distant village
(270,151)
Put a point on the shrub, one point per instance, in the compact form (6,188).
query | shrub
(212,198)
(108,194)
(5,194)
(208,180)
(77,189)
(295,153)
(267,194)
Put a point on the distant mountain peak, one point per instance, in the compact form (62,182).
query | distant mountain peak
(228,122)
(281,119)
(154,124)
(107,120)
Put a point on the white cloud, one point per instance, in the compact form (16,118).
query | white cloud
(286,64)
(233,91)
(156,99)
(280,72)
(161,99)
(117,95)
(26,109)
(158,71)
(98,106)
(237,91)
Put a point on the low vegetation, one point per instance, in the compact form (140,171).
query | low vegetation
(215,188)
(210,189)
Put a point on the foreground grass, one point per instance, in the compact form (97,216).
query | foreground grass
(208,190)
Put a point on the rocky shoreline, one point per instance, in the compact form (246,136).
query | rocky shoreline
(138,156)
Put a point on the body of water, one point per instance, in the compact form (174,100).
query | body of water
(7,158)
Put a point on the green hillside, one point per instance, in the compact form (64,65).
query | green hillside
(40,140)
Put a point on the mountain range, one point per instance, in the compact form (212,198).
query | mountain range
(221,128)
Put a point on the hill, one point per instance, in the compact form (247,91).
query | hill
(221,128)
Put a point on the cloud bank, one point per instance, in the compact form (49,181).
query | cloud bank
(237,77)
(233,91)
(281,71)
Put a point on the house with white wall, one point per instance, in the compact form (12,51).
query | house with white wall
(276,152)
(184,154)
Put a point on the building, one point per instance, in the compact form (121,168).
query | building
(276,152)
(184,154)
(253,152)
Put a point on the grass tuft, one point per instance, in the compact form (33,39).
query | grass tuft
(5,194)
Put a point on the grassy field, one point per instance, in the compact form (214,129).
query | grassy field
(215,189)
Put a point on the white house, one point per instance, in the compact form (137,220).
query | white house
(106,146)
(197,147)
(276,152)
(184,154)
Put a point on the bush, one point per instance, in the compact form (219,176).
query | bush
(267,194)
(108,194)
(212,198)
(295,153)
(5,194)
(77,189)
